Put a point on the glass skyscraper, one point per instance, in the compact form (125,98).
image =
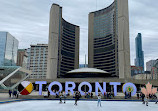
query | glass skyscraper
(8,49)
(139,61)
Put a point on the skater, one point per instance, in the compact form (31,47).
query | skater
(76,97)
(143,96)
(60,95)
(10,93)
(155,97)
(146,100)
(99,100)
(64,94)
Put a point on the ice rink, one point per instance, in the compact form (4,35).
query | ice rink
(82,106)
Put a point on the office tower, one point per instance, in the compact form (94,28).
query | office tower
(8,49)
(63,45)
(37,60)
(108,39)
(139,61)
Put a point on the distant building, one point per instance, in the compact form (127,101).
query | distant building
(8,49)
(150,64)
(136,70)
(63,45)
(83,65)
(139,61)
(143,76)
(37,60)
(22,58)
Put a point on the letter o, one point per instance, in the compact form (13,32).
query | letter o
(131,85)
(52,84)
(84,83)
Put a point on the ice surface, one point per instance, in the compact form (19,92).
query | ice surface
(51,105)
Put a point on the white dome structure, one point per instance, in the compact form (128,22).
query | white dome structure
(87,73)
(88,70)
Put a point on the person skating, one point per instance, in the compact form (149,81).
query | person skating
(146,100)
(143,96)
(156,99)
(64,95)
(76,97)
(99,100)
(60,95)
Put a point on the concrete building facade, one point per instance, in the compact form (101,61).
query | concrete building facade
(139,61)
(108,39)
(63,45)
(136,70)
(8,49)
(150,64)
(37,61)
(22,58)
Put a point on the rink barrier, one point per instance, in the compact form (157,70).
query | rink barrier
(20,100)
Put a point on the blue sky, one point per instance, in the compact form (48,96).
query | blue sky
(28,21)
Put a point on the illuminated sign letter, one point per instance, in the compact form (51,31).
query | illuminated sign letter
(84,83)
(52,84)
(130,87)
(115,84)
(97,86)
(40,85)
(67,88)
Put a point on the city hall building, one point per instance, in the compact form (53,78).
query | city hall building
(108,38)
(63,46)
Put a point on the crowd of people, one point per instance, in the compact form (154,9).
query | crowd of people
(77,96)
(145,98)
(127,95)
(63,96)
(109,95)
(13,94)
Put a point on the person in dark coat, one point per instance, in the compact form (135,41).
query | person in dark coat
(156,99)
(91,95)
(14,94)
(60,95)
(10,93)
(76,97)
(137,95)
(143,96)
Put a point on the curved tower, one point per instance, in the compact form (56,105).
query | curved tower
(108,47)
(63,47)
